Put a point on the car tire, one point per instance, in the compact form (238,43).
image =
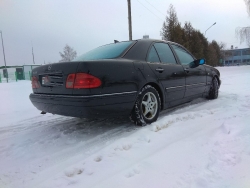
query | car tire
(147,106)
(214,89)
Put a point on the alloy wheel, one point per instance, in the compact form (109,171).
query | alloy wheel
(149,105)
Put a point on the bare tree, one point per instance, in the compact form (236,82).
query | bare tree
(224,54)
(243,33)
(248,6)
(222,47)
(68,54)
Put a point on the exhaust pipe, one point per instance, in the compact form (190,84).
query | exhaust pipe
(43,112)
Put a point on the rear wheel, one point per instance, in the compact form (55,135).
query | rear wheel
(147,106)
(214,89)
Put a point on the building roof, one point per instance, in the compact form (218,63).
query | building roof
(237,49)
(17,66)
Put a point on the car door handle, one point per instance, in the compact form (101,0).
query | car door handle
(187,70)
(159,69)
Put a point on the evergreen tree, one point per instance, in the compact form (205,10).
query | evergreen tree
(178,34)
(218,52)
(196,44)
(190,38)
(212,57)
(171,27)
(188,32)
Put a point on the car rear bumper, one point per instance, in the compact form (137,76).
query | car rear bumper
(106,105)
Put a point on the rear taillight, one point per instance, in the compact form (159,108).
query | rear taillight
(82,81)
(70,81)
(34,82)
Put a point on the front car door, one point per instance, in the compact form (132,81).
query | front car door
(195,76)
(169,73)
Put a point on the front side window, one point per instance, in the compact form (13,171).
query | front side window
(184,57)
(165,53)
(109,51)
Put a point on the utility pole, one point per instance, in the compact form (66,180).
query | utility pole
(33,55)
(129,20)
(4,57)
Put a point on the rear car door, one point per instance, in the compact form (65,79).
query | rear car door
(195,76)
(170,74)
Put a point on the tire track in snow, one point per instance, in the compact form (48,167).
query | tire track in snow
(46,145)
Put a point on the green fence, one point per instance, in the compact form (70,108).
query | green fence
(15,76)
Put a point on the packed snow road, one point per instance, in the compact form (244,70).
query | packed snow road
(205,143)
(37,144)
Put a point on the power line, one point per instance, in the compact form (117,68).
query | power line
(155,8)
(150,11)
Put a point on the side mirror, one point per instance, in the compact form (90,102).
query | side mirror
(197,62)
(202,61)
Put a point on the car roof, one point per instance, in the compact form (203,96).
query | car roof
(149,41)
(156,40)
(139,50)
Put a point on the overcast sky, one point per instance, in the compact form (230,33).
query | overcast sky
(85,24)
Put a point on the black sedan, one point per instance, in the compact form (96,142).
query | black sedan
(133,78)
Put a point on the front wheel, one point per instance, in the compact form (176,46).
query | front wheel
(214,89)
(147,106)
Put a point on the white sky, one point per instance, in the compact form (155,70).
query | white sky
(86,24)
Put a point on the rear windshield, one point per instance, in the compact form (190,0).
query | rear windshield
(109,51)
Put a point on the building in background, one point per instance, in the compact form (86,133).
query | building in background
(236,56)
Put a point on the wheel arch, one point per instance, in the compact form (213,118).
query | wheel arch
(218,80)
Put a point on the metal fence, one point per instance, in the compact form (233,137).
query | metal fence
(14,77)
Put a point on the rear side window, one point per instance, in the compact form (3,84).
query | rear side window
(165,53)
(153,56)
(109,51)
(184,57)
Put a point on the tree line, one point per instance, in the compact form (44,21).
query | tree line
(192,39)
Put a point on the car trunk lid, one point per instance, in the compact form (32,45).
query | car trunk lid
(52,78)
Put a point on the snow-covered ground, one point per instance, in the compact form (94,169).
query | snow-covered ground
(203,144)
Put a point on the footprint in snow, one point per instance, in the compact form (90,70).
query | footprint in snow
(144,139)
(98,159)
(73,172)
(125,147)
(89,172)
(132,173)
